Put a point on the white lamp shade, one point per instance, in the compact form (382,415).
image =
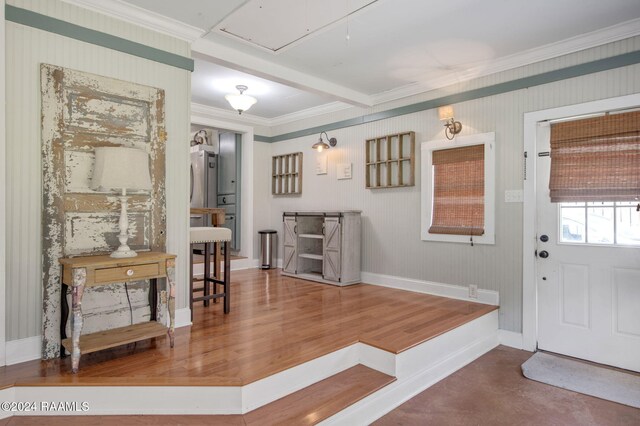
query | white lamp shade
(445,112)
(240,102)
(121,168)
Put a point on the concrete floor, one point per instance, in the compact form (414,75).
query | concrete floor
(492,391)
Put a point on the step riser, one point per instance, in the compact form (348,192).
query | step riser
(437,357)
(441,365)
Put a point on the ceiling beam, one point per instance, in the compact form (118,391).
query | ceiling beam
(222,55)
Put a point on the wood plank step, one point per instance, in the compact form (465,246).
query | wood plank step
(117,336)
(321,400)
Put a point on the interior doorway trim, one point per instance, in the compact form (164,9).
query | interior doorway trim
(531,120)
(246,238)
(3,199)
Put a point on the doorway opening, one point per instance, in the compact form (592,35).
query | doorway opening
(578,281)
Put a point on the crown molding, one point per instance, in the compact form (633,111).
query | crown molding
(309,113)
(209,111)
(571,45)
(141,17)
(213,112)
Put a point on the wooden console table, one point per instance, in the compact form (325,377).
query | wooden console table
(90,271)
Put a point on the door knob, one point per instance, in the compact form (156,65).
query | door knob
(543,254)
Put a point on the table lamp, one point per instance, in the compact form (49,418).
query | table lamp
(119,168)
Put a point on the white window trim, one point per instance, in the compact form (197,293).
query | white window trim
(427,148)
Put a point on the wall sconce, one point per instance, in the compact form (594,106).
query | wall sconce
(240,102)
(322,145)
(451,126)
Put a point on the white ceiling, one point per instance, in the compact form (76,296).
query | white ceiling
(210,82)
(363,52)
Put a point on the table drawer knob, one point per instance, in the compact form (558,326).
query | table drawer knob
(130,272)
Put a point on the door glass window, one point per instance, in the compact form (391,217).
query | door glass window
(601,223)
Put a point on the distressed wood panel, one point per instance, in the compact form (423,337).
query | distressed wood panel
(107,304)
(107,114)
(96,233)
(80,112)
(102,202)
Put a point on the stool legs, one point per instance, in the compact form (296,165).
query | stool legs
(209,278)
(191,281)
(216,267)
(227,278)
(207,272)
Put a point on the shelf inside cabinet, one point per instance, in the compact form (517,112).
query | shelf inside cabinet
(317,236)
(311,256)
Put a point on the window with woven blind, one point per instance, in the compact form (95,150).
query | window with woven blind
(596,159)
(458,191)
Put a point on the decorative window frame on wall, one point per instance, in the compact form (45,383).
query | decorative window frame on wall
(427,180)
(286,174)
(390,161)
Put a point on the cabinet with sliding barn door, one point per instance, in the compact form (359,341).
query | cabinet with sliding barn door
(322,246)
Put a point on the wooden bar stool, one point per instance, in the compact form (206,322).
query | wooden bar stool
(208,235)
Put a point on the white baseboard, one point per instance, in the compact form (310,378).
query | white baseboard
(30,348)
(7,394)
(488,297)
(417,372)
(23,350)
(183,317)
(236,265)
(511,339)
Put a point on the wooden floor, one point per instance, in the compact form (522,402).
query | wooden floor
(275,323)
(489,391)
(305,407)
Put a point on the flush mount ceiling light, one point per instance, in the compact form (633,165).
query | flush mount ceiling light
(240,102)
(451,126)
(322,145)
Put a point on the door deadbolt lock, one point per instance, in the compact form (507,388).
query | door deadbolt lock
(544,238)
(543,254)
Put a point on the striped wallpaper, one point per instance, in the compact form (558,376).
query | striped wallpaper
(391,243)
(26,48)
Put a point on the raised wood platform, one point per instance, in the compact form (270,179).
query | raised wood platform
(308,406)
(275,352)
(276,323)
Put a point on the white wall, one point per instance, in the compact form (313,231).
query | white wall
(391,243)
(262,193)
(3,201)
(26,48)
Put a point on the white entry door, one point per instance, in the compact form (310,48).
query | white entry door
(588,275)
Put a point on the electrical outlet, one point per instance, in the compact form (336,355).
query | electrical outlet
(473,291)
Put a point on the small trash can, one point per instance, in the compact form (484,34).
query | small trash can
(268,248)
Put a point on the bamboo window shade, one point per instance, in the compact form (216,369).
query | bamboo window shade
(596,159)
(458,191)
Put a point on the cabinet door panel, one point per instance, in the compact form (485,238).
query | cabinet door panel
(331,249)
(290,245)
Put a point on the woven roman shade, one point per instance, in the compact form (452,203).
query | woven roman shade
(458,191)
(596,159)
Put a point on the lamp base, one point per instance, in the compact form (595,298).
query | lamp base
(120,254)
(123,251)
